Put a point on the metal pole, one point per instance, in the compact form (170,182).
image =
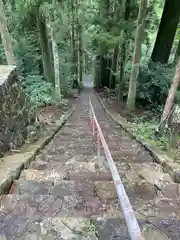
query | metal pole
(93,126)
(98,145)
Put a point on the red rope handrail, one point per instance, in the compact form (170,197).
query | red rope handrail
(131,222)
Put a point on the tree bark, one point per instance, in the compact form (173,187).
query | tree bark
(125,14)
(80,53)
(96,70)
(57,92)
(6,38)
(177,54)
(86,65)
(77,40)
(104,73)
(122,65)
(56,65)
(73,40)
(46,56)
(172,94)
(166,32)
(136,55)
(114,66)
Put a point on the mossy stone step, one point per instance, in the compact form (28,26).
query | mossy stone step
(43,206)
(59,188)
(69,228)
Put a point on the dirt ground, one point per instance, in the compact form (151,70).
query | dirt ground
(116,106)
(46,116)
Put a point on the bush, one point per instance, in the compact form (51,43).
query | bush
(153,84)
(146,129)
(27,55)
(39,91)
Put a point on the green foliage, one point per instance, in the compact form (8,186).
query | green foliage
(35,131)
(67,78)
(40,92)
(27,53)
(22,24)
(153,84)
(146,129)
(2,55)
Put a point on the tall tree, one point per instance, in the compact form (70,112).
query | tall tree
(172,94)
(104,72)
(177,54)
(5,36)
(80,52)
(74,43)
(136,55)
(117,12)
(45,50)
(52,18)
(125,14)
(166,32)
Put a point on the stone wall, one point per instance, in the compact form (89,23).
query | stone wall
(14,110)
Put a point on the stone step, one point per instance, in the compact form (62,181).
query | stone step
(69,135)
(105,190)
(71,152)
(76,150)
(78,131)
(60,188)
(154,176)
(122,168)
(75,129)
(80,148)
(116,147)
(168,189)
(65,156)
(150,172)
(72,165)
(81,158)
(79,141)
(63,227)
(123,155)
(70,124)
(115,228)
(92,176)
(46,175)
(59,151)
(157,208)
(43,162)
(31,187)
(152,166)
(80,166)
(38,164)
(42,206)
(142,190)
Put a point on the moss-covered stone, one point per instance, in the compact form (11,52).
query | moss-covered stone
(14,110)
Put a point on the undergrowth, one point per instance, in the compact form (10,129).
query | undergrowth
(146,129)
(39,91)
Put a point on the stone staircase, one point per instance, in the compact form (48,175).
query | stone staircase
(66,193)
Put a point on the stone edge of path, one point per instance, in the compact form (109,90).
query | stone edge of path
(160,157)
(14,164)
